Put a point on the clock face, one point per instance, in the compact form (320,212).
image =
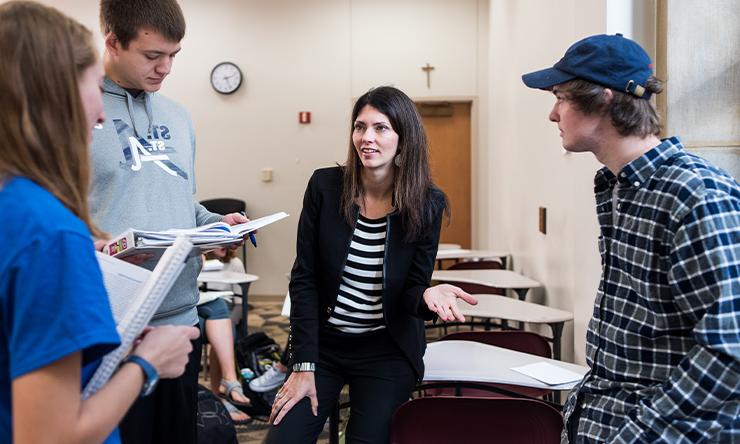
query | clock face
(226,78)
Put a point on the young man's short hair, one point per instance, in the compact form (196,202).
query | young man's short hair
(124,18)
(631,116)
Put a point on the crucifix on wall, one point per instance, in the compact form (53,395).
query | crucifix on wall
(428,70)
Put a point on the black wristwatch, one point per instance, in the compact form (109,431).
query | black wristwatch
(152,377)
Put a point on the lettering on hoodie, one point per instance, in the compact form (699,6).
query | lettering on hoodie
(137,151)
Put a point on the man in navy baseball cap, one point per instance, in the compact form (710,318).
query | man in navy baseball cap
(662,343)
(607,60)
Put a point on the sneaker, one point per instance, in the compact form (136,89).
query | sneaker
(270,380)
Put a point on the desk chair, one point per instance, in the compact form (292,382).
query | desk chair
(445,420)
(478,265)
(521,341)
(477,288)
(228,205)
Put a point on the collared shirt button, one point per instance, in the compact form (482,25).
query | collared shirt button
(619,206)
(623,174)
(636,183)
(328,309)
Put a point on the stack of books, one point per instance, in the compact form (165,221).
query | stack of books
(203,238)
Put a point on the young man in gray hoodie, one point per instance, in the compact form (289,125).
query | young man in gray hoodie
(143,177)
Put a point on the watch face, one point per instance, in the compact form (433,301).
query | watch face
(226,78)
(150,385)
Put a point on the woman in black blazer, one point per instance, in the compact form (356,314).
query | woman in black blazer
(367,241)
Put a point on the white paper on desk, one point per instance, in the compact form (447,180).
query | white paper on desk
(548,373)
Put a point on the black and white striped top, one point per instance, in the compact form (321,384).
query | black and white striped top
(359,306)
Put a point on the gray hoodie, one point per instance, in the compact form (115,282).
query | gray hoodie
(143,177)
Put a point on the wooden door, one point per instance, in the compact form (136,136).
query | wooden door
(448,129)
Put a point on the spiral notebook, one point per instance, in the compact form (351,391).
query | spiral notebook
(135,294)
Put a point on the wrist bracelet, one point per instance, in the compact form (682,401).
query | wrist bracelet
(304,367)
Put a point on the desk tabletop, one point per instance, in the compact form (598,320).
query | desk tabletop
(491,278)
(444,246)
(469,361)
(495,306)
(462,253)
(226,277)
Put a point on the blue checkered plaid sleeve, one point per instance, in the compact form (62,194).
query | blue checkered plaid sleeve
(705,266)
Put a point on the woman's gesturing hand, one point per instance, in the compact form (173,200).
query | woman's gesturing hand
(298,386)
(442,299)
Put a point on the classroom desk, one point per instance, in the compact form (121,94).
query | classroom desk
(469,361)
(505,279)
(444,246)
(243,280)
(495,306)
(457,254)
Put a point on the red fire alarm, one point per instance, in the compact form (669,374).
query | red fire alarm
(304,117)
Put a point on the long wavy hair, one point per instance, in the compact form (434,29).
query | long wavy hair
(412,185)
(43,126)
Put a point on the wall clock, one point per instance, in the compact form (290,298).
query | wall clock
(226,78)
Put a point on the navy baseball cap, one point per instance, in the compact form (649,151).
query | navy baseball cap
(612,61)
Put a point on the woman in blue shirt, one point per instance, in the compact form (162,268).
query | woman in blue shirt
(55,320)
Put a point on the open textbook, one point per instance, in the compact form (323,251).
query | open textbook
(135,294)
(205,237)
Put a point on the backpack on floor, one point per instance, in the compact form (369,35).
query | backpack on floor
(214,422)
(257,351)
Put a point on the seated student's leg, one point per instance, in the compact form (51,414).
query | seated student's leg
(376,389)
(299,425)
(220,336)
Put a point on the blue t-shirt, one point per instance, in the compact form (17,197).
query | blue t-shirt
(52,299)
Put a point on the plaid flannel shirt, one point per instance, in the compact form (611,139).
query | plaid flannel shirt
(664,340)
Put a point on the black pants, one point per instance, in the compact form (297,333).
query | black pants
(168,415)
(380,379)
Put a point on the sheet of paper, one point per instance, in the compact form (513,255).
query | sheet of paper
(548,373)
(256,224)
(122,281)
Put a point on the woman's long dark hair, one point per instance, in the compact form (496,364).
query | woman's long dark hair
(413,188)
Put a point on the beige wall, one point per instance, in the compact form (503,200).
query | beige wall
(703,106)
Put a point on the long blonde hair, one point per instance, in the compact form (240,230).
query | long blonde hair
(43,126)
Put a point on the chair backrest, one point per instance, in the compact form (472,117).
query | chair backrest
(228,205)
(224,205)
(523,341)
(477,265)
(437,420)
